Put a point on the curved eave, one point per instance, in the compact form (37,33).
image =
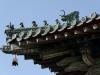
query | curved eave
(26,33)
(62,27)
(13,38)
(20,36)
(82,21)
(9,40)
(90,20)
(74,22)
(36,32)
(54,29)
(29,34)
(94,15)
(98,18)
(45,31)
(79,24)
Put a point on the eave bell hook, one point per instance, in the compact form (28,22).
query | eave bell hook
(15,61)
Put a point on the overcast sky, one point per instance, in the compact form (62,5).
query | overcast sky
(17,11)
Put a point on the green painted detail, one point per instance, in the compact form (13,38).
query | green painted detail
(74,16)
(71,19)
(22,33)
(45,30)
(17,31)
(54,28)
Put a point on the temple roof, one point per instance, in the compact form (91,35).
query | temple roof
(66,48)
(25,33)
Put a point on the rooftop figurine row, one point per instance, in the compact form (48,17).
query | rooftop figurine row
(71,21)
(68,18)
(34,24)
